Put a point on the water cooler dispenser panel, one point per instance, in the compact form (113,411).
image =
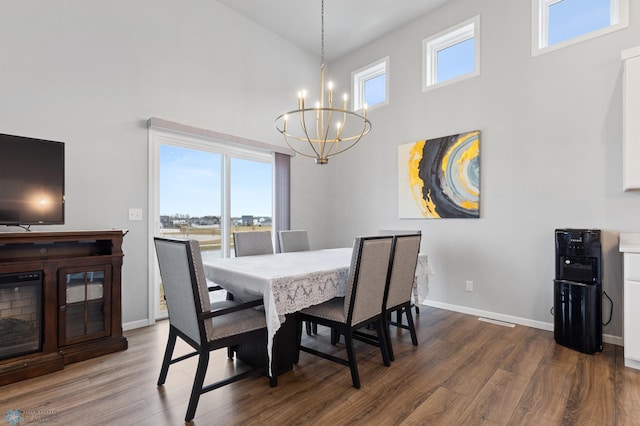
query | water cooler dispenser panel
(578,289)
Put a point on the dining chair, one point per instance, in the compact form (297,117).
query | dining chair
(202,325)
(401,232)
(293,240)
(361,305)
(249,243)
(400,287)
(252,243)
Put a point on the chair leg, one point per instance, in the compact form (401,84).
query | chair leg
(298,340)
(355,377)
(315,327)
(335,336)
(171,343)
(412,328)
(387,336)
(308,325)
(383,341)
(196,390)
(231,351)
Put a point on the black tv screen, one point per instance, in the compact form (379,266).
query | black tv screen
(31,181)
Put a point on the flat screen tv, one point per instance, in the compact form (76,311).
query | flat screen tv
(31,181)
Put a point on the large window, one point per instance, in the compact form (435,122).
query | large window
(370,85)
(451,55)
(205,187)
(193,182)
(560,23)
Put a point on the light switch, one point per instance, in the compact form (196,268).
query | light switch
(135,214)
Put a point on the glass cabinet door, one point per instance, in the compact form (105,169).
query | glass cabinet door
(84,303)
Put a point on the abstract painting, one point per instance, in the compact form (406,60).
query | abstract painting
(440,178)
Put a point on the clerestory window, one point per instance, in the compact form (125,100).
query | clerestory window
(559,23)
(370,85)
(451,55)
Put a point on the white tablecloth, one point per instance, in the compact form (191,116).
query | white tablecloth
(289,282)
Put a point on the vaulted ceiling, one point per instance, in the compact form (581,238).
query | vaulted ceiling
(349,24)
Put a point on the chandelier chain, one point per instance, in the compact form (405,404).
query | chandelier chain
(322,32)
(336,129)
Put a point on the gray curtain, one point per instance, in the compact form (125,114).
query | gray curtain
(282,195)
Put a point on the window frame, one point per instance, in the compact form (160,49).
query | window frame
(619,16)
(444,39)
(162,132)
(360,76)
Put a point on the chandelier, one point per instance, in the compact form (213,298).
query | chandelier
(322,131)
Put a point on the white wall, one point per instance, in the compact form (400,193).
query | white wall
(91,73)
(550,158)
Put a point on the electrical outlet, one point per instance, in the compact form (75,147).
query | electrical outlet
(135,214)
(469,285)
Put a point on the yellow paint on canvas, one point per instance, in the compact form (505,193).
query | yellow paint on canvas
(416,184)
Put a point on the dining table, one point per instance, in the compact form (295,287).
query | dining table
(289,282)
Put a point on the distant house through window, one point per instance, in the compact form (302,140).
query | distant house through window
(452,55)
(560,23)
(370,85)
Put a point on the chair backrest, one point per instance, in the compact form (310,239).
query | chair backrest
(398,231)
(185,286)
(252,243)
(368,276)
(293,241)
(403,269)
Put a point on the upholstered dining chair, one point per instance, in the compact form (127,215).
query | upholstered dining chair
(249,243)
(401,232)
(293,240)
(252,243)
(400,287)
(202,325)
(362,304)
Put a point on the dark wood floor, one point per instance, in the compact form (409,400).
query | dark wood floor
(464,372)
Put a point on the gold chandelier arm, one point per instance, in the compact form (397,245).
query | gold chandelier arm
(342,126)
(326,151)
(303,125)
(366,128)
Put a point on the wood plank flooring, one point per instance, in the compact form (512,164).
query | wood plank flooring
(464,372)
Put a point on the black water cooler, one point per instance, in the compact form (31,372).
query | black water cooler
(578,290)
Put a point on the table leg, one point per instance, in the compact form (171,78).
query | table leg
(284,350)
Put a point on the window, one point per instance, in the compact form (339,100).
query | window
(206,185)
(370,85)
(560,23)
(451,55)
(194,188)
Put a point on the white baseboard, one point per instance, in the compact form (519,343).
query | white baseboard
(607,338)
(614,340)
(136,324)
